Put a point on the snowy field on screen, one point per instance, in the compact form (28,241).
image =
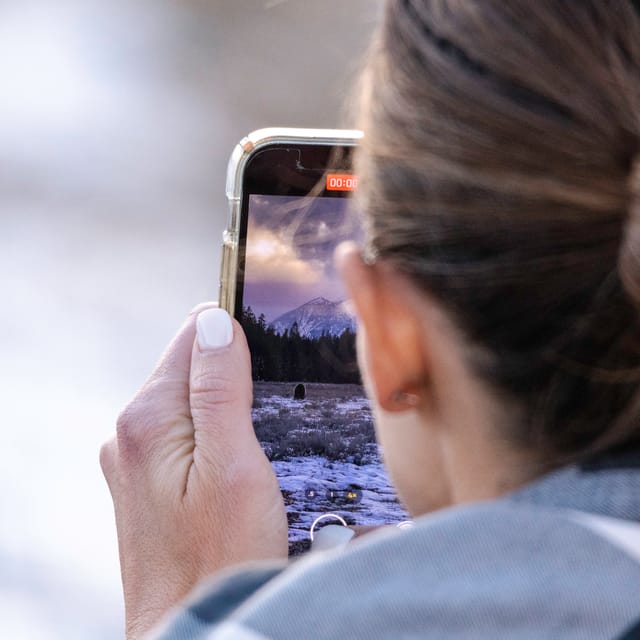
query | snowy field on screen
(321,446)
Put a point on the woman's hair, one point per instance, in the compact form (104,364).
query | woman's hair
(500,170)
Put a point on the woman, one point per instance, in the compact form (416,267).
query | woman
(498,302)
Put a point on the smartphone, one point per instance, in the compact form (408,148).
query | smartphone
(288,192)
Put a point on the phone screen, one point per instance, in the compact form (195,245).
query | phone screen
(310,411)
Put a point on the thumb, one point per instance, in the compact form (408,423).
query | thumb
(220,388)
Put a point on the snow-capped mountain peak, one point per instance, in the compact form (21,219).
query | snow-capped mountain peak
(315,318)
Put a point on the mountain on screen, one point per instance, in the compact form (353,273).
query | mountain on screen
(316,317)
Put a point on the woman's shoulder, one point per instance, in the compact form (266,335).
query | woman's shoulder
(497,569)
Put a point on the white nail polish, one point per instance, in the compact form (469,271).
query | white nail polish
(214,329)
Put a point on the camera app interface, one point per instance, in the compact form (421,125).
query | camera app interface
(310,411)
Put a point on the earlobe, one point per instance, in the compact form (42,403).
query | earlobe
(391,348)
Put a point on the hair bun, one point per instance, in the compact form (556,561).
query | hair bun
(629,260)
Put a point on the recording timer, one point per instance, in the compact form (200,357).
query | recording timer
(341,182)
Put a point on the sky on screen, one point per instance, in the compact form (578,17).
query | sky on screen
(290,246)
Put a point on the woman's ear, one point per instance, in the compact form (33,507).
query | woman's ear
(390,328)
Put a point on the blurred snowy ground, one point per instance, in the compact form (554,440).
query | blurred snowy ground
(116,122)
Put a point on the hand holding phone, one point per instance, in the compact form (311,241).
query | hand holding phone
(192,490)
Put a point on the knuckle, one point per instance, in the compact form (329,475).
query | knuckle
(133,427)
(125,422)
(108,458)
(211,393)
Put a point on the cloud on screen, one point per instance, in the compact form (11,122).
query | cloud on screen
(272,258)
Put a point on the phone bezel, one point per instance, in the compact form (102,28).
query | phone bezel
(238,189)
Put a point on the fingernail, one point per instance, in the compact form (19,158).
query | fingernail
(214,329)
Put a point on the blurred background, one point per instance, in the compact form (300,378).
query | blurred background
(117,118)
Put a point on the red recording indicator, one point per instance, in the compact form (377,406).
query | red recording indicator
(341,182)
